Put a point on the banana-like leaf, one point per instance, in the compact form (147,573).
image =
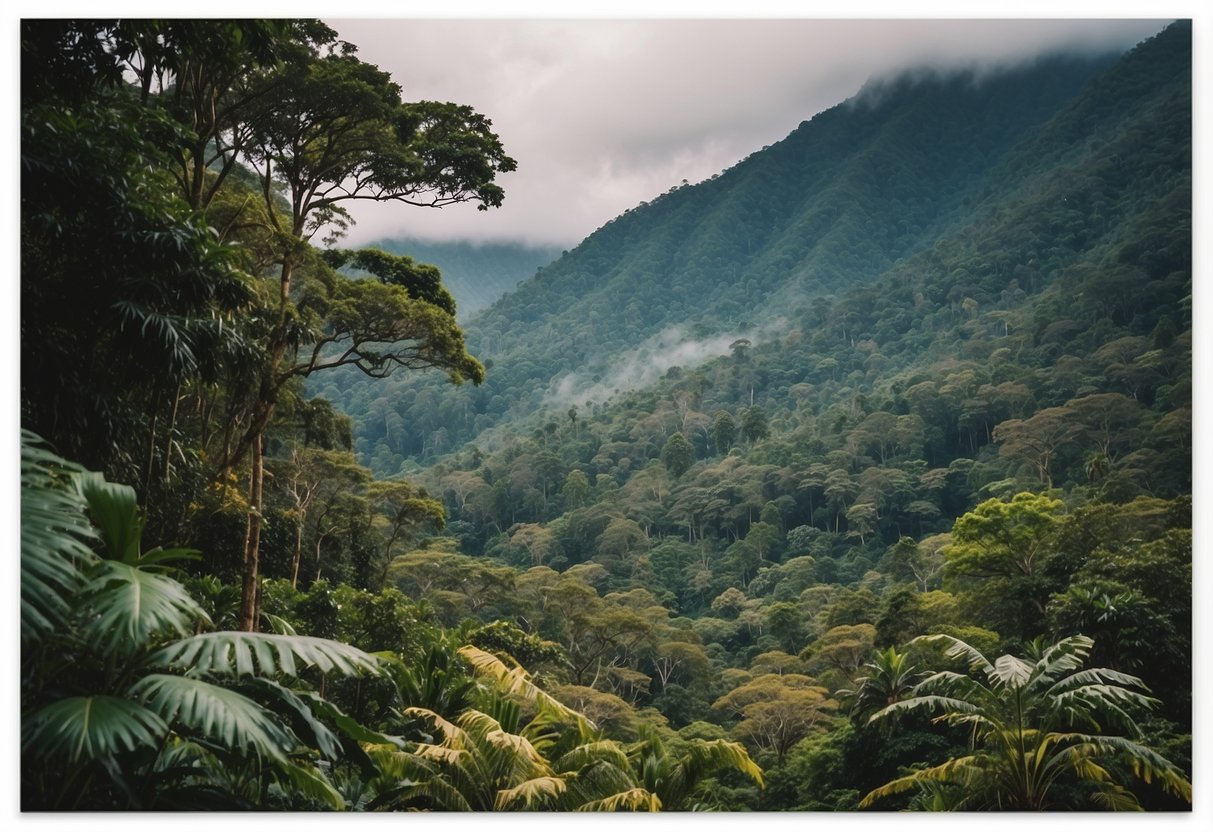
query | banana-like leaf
(125,605)
(115,512)
(1010,671)
(221,715)
(91,728)
(264,654)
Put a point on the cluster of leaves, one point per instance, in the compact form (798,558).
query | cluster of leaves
(131,701)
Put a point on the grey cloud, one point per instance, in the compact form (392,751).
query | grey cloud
(604,114)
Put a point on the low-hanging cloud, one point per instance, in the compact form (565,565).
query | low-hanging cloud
(648,362)
(602,114)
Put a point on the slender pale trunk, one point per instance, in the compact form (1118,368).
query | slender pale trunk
(298,554)
(256,437)
(252,541)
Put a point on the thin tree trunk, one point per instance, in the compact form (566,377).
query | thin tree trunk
(298,554)
(172,426)
(252,540)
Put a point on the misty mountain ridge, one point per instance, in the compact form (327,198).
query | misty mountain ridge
(910,167)
(476,273)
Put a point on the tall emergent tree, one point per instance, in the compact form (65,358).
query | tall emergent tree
(334,129)
(246,140)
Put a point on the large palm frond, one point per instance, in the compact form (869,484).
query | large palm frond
(55,534)
(1023,712)
(632,800)
(216,713)
(124,606)
(267,654)
(517,682)
(90,728)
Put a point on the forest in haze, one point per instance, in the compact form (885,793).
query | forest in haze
(855,477)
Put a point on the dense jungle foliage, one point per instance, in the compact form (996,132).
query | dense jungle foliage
(902,522)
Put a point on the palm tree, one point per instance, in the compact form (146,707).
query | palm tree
(675,776)
(490,759)
(1036,723)
(890,678)
(124,702)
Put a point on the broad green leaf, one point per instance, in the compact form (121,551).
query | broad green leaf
(311,783)
(287,704)
(115,511)
(221,715)
(125,605)
(90,728)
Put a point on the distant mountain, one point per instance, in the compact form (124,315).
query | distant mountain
(984,183)
(477,274)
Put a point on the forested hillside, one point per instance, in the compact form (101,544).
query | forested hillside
(895,170)
(858,476)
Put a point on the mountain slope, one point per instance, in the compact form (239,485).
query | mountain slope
(902,169)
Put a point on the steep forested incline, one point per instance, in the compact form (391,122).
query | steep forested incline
(901,168)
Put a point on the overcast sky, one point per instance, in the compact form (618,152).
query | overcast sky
(601,114)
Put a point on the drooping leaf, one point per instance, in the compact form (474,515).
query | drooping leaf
(632,800)
(311,783)
(115,511)
(296,712)
(531,794)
